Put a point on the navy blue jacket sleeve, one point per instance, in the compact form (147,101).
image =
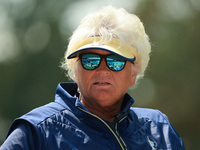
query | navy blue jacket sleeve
(21,137)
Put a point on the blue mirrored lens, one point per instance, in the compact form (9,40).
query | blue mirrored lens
(115,63)
(90,61)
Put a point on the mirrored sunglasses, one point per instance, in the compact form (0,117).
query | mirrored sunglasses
(91,61)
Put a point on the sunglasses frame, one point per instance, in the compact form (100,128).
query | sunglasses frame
(101,57)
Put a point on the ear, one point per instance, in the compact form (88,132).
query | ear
(76,71)
(75,74)
(133,75)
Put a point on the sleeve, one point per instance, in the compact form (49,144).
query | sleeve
(170,138)
(162,135)
(21,137)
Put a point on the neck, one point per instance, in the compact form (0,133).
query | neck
(103,111)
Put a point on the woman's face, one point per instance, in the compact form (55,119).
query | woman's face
(102,85)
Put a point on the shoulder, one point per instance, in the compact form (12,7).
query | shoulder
(158,128)
(150,114)
(39,115)
(29,124)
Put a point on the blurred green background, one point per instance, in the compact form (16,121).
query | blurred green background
(34,36)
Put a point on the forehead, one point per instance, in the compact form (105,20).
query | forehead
(98,51)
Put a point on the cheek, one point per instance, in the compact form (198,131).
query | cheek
(82,76)
(78,72)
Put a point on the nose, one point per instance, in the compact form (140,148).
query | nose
(102,66)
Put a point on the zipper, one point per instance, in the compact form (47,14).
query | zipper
(116,135)
(120,137)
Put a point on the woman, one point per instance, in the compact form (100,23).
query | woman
(106,55)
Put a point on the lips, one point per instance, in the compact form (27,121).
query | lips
(101,83)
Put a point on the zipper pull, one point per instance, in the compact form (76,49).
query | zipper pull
(120,117)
